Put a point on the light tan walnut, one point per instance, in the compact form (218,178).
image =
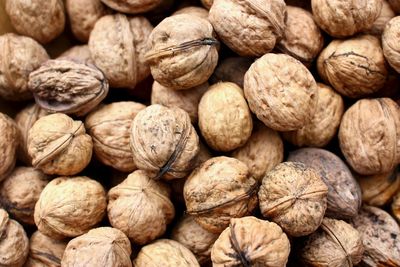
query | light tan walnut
(132,6)
(390,43)
(10,137)
(386,14)
(194,11)
(232,69)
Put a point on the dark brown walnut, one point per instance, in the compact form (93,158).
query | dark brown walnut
(182,51)
(380,234)
(249,28)
(8,145)
(66,86)
(194,11)
(395,206)
(166,253)
(164,142)
(59,145)
(117,44)
(43,20)
(281,92)
(344,18)
(70,206)
(295,197)
(386,14)
(390,43)
(19,55)
(79,53)
(354,67)
(140,207)
(344,193)
(249,241)
(335,244)
(132,6)
(232,69)
(395,5)
(109,127)
(220,189)
(103,246)
(369,136)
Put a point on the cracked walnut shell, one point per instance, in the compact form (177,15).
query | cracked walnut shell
(390,43)
(8,145)
(132,6)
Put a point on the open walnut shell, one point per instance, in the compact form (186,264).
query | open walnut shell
(9,140)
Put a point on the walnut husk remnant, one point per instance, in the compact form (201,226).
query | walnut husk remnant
(132,6)
(9,140)
(232,69)
(390,43)
(386,14)
(79,53)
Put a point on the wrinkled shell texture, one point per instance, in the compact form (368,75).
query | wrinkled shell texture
(164,141)
(396,206)
(79,53)
(69,207)
(224,118)
(8,145)
(354,67)
(117,44)
(19,55)
(140,207)
(249,28)
(59,145)
(390,43)
(395,4)
(344,193)
(220,189)
(249,241)
(343,18)
(109,127)
(104,246)
(232,69)
(132,6)
(281,92)
(166,253)
(182,51)
(43,20)
(369,135)
(295,197)
(386,14)
(194,11)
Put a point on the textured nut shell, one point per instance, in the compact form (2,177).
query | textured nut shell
(232,69)
(295,197)
(194,11)
(69,207)
(249,28)
(167,253)
(395,5)
(80,53)
(132,6)
(344,193)
(109,128)
(390,43)
(43,20)
(386,14)
(220,189)
(281,92)
(395,207)
(325,123)
(343,18)
(104,246)
(224,118)
(19,55)
(8,145)
(140,207)
(117,44)
(354,67)
(249,241)
(369,135)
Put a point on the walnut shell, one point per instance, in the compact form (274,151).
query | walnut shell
(19,55)
(281,92)
(386,14)
(295,197)
(166,253)
(117,44)
(249,241)
(43,20)
(182,51)
(224,118)
(70,206)
(344,193)
(232,69)
(390,39)
(207,3)
(109,127)
(369,135)
(132,6)
(104,246)
(194,11)
(249,28)
(395,207)
(343,18)
(8,145)
(164,141)
(79,53)
(395,5)
(220,189)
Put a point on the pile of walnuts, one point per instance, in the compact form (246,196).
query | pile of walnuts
(199,133)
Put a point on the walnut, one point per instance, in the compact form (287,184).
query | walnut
(281,92)
(395,206)
(390,39)
(164,142)
(326,120)
(249,241)
(182,51)
(343,18)
(104,246)
(194,11)
(43,20)
(117,44)
(395,5)
(232,69)
(59,145)
(295,197)
(220,189)
(355,67)
(249,28)
(79,53)
(8,145)
(70,206)
(344,193)
(386,14)
(369,136)
(19,55)
(132,6)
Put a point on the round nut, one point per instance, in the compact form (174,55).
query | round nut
(390,38)
(132,6)
(9,139)
(79,53)
(232,69)
(386,14)
(194,11)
